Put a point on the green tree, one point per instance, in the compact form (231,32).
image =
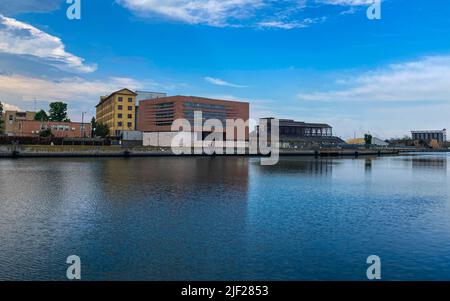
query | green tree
(58,112)
(41,116)
(46,133)
(1,118)
(93,126)
(101,130)
(368,139)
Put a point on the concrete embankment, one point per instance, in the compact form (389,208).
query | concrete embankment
(24,151)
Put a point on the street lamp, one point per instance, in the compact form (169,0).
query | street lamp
(82,124)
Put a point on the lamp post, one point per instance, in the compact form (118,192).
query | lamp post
(82,124)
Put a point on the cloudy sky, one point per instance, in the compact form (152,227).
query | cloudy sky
(310,60)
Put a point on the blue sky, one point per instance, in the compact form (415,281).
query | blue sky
(311,60)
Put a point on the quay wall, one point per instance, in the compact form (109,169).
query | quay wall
(18,151)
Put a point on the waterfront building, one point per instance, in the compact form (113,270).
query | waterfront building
(428,136)
(32,128)
(293,134)
(156,116)
(118,111)
(12,118)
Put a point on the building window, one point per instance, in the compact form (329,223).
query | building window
(120,107)
(120,99)
(130,124)
(130,116)
(119,123)
(130,99)
(119,116)
(130,108)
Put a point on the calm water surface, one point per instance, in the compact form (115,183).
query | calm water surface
(225,218)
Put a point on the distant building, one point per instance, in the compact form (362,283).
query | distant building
(144,95)
(428,136)
(299,134)
(157,115)
(361,141)
(118,111)
(11,119)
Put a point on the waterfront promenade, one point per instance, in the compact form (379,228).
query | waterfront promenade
(17,151)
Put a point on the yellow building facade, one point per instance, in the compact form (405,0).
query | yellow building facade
(118,111)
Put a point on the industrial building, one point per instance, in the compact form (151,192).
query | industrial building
(12,118)
(156,116)
(22,124)
(293,134)
(428,136)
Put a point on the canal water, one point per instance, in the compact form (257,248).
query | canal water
(225,218)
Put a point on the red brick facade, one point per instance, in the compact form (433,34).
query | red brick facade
(157,115)
(30,128)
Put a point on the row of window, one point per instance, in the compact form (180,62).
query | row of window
(300,131)
(130,99)
(428,136)
(203,106)
(130,116)
(163,123)
(129,124)
(120,108)
(164,105)
(59,128)
(206,115)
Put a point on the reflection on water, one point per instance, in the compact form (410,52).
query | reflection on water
(300,165)
(225,218)
(368,165)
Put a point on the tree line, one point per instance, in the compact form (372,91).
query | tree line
(58,113)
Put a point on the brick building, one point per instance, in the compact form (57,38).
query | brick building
(156,116)
(31,128)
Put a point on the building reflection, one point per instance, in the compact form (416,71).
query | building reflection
(175,176)
(368,165)
(430,163)
(299,165)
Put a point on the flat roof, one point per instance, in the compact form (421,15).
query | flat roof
(192,98)
(293,123)
(430,131)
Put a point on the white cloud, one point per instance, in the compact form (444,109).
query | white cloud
(67,89)
(347,2)
(11,7)
(427,79)
(19,38)
(290,24)
(8,107)
(210,12)
(221,82)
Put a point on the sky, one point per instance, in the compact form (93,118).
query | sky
(308,60)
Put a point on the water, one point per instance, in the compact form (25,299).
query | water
(225,218)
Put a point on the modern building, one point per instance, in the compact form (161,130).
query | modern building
(11,119)
(299,134)
(118,111)
(428,136)
(156,116)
